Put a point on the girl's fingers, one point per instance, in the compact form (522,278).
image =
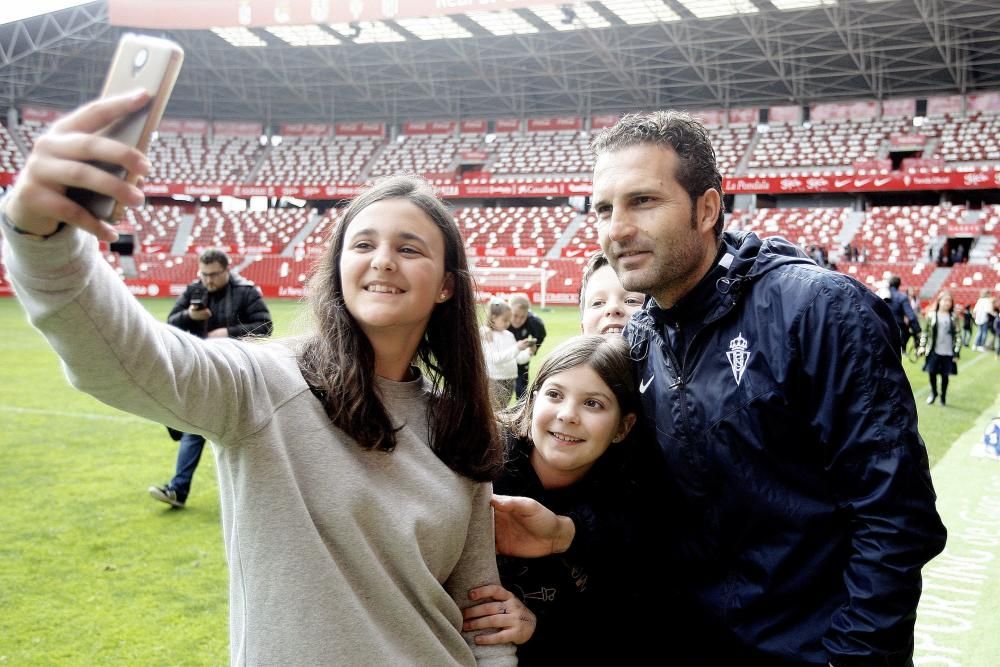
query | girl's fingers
(81,147)
(475,611)
(69,173)
(493,591)
(486,609)
(100,113)
(502,637)
(495,620)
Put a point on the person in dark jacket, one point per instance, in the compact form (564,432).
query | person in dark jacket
(217,305)
(902,313)
(524,324)
(568,444)
(966,313)
(796,487)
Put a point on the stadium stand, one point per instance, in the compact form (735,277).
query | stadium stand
(11,160)
(29,130)
(903,233)
(516,227)
(259,232)
(972,139)
(161,267)
(966,281)
(187,158)
(318,160)
(541,153)
(876,274)
(155,226)
(804,227)
(433,156)
(894,240)
(791,148)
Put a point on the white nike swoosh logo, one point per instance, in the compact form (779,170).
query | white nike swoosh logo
(643,385)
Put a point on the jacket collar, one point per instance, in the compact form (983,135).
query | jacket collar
(743,257)
(703,298)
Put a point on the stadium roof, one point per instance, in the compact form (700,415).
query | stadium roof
(537,59)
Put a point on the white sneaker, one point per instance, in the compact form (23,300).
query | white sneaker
(166,495)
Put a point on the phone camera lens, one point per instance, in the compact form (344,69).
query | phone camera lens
(141,56)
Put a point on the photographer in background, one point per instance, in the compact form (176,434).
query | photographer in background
(217,305)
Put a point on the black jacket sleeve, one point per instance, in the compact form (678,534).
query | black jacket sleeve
(863,413)
(252,318)
(911,317)
(537,330)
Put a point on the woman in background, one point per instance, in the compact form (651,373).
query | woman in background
(941,342)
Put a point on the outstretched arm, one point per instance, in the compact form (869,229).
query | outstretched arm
(111,347)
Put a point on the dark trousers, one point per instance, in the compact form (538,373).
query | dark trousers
(521,384)
(188,456)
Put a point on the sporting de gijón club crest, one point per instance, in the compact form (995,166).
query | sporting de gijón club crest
(738,356)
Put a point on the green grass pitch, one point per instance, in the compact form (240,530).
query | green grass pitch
(94,572)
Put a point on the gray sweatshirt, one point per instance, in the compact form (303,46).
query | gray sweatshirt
(336,555)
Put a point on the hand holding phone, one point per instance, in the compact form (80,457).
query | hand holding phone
(196,304)
(140,62)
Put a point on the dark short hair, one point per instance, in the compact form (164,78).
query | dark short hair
(697,168)
(596,261)
(895,282)
(214,256)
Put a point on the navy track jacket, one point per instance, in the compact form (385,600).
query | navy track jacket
(797,491)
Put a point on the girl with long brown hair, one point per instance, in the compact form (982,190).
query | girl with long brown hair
(353,466)
(941,342)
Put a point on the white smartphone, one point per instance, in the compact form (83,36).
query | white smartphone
(144,62)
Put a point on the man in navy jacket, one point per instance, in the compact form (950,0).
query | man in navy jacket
(219,304)
(902,312)
(796,501)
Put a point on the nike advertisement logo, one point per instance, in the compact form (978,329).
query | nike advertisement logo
(645,384)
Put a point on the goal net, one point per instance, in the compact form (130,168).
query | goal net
(491,281)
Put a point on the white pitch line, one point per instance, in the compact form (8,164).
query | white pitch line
(920,393)
(71,415)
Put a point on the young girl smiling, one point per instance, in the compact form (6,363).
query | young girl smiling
(567,450)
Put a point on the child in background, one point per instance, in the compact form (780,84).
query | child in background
(605,306)
(503,353)
(567,449)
